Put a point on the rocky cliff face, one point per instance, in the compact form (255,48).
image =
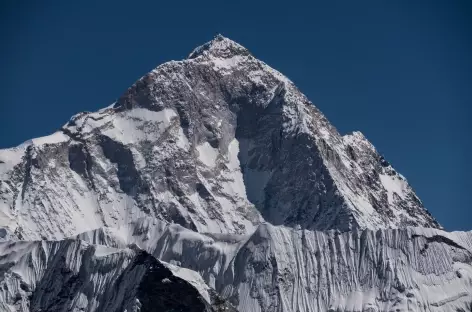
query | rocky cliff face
(219,164)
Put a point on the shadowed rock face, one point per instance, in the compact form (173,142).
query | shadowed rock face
(160,290)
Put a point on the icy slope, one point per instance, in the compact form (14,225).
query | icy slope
(217,143)
(72,275)
(282,269)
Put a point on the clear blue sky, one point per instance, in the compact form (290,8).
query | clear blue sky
(399,72)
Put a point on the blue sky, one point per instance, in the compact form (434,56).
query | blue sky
(399,72)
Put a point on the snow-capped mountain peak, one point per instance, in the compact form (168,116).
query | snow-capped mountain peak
(220,46)
(220,166)
(217,142)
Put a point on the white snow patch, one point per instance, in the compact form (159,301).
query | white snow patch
(207,154)
(393,184)
(192,277)
(233,151)
(164,115)
(225,64)
(103,251)
(137,125)
(235,186)
(9,158)
(57,137)
(138,158)
(182,140)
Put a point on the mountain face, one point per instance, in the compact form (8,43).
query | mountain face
(218,165)
(216,143)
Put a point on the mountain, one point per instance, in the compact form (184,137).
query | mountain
(220,165)
(217,143)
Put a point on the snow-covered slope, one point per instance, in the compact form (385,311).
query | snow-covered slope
(217,143)
(72,275)
(282,269)
(214,178)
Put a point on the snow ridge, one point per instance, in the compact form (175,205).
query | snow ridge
(73,275)
(282,269)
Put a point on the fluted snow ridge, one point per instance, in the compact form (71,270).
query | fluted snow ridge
(73,275)
(282,269)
